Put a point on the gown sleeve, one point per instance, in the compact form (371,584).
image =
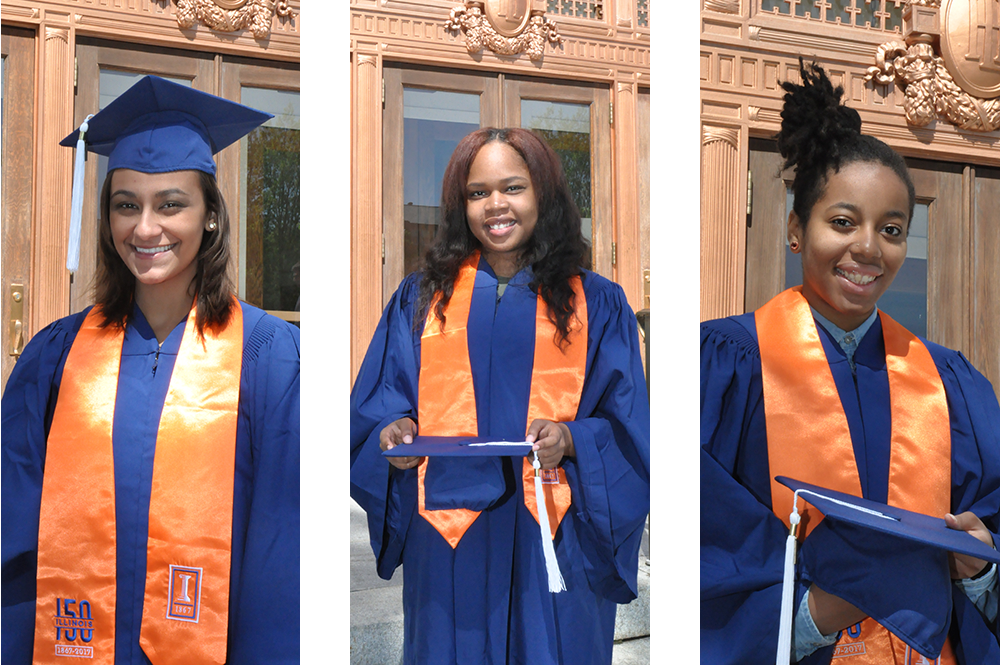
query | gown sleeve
(609,476)
(265,628)
(385,390)
(742,541)
(975,434)
(28,403)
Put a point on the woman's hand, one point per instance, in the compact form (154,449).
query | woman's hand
(832,613)
(400,432)
(964,566)
(553,441)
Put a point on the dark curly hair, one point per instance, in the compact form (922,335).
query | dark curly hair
(556,251)
(819,135)
(114,283)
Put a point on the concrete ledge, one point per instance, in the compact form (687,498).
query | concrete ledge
(377,626)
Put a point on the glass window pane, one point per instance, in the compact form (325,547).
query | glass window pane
(270,223)
(566,128)
(769,6)
(906,299)
(434,122)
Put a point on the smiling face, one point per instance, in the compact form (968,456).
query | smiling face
(501,205)
(854,242)
(157,221)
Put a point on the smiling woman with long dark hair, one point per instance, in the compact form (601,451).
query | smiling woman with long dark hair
(821,386)
(151,442)
(505,334)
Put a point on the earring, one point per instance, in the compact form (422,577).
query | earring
(212,226)
(794,245)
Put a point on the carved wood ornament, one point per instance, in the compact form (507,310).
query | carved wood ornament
(506,27)
(954,85)
(232,15)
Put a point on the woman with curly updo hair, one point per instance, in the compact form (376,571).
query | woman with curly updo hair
(505,334)
(820,386)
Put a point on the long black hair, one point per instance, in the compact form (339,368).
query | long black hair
(556,251)
(819,135)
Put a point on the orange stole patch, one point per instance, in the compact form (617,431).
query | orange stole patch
(807,433)
(185,616)
(77,525)
(76,528)
(447,402)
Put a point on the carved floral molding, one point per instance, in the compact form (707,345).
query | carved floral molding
(929,83)
(232,15)
(506,27)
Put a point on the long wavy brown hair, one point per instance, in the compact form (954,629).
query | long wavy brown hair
(114,283)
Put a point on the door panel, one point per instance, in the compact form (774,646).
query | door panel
(426,114)
(575,121)
(104,71)
(985,351)
(18,50)
(930,294)
(260,182)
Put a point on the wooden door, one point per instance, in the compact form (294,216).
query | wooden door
(576,122)
(115,66)
(931,293)
(260,182)
(18,50)
(426,114)
(985,283)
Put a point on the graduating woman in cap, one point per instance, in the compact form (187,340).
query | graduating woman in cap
(151,442)
(505,334)
(821,386)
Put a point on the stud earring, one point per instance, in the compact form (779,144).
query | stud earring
(794,245)
(212,226)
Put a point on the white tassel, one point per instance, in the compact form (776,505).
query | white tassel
(76,203)
(788,590)
(556,583)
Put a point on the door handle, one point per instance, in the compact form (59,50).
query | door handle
(16,319)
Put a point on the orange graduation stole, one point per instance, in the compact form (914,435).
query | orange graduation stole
(808,437)
(447,400)
(186,604)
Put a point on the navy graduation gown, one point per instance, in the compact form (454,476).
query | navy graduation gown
(742,541)
(487,601)
(264,578)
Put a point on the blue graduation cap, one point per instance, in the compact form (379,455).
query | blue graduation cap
(459,446)
(889,562)
(157,126)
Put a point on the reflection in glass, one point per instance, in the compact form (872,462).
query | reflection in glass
(434,122)
(566,128)
(270,223)
(906,299)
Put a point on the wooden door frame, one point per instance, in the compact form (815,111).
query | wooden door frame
(237,73)
(92,57)
(952,320)
(396,77)
(598,97)
(18,49)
